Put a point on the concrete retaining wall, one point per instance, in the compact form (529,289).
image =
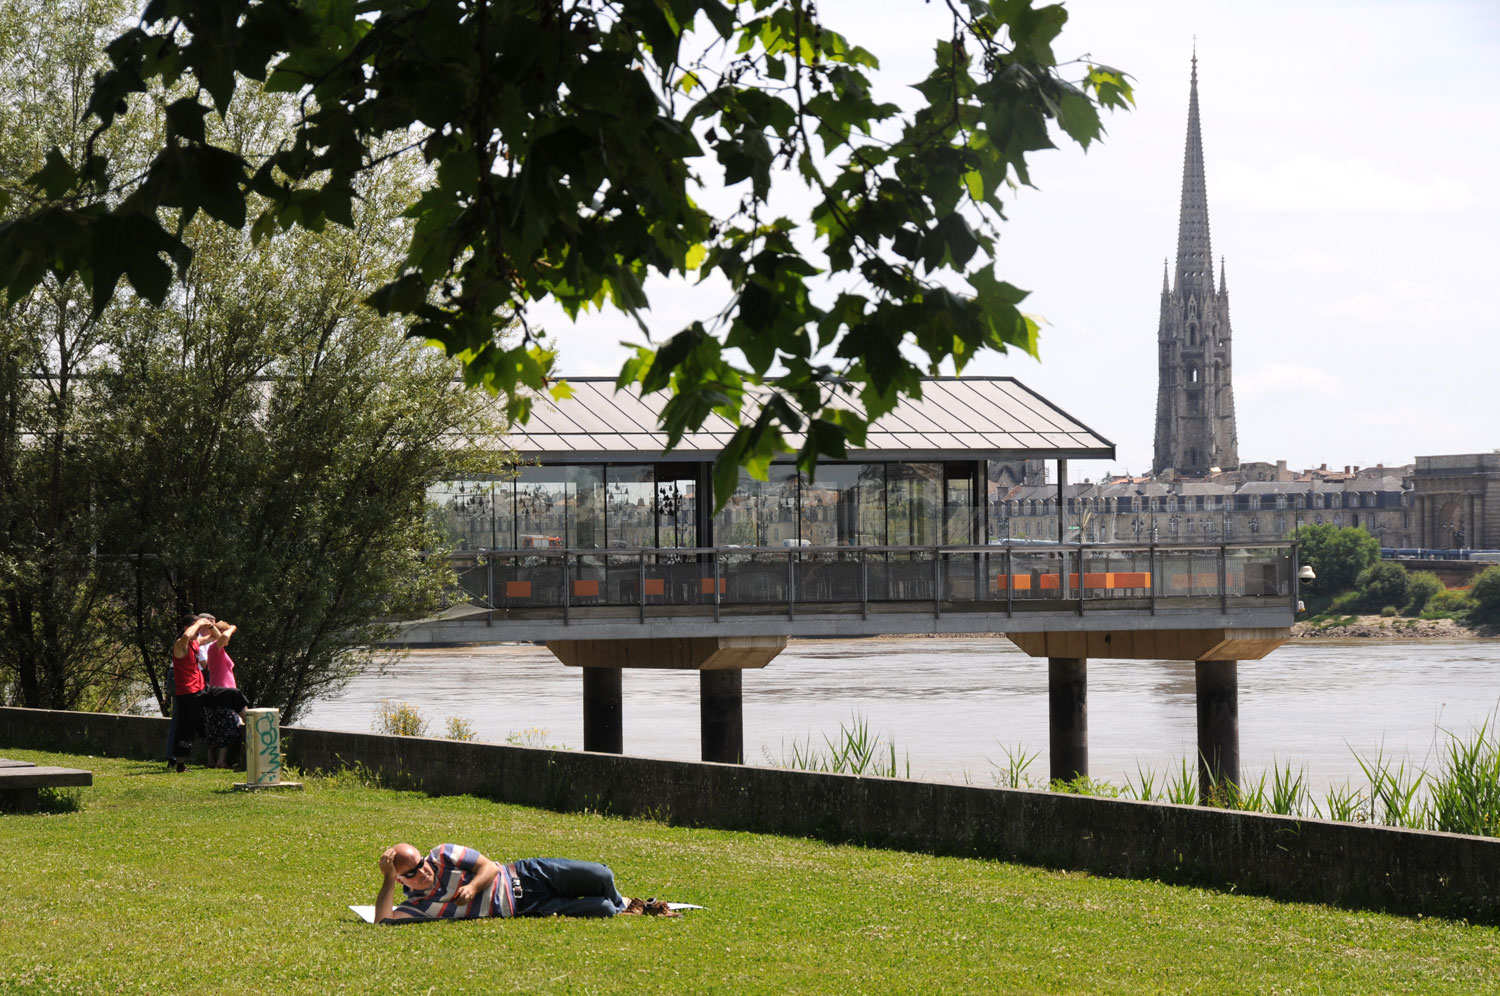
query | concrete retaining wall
(1403,871)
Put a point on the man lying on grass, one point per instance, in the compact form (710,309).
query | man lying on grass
(457,882)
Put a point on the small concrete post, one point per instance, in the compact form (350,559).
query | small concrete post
(263,757)
(1068,717)
(1218,725)
(721,713)
(603,727)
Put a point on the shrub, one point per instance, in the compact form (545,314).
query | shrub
(1485,591)
(1390,612)
(399,719)
(1420,589)
(1382,584)
(1345,603)
(460,729)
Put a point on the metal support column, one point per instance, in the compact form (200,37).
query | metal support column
(1068,717)
(1218,726)
(721,714)
(603,728)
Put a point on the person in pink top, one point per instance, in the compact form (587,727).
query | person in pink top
(193,694)
(221,726)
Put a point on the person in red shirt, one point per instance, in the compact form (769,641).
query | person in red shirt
(192,692)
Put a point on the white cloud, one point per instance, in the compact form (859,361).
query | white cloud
(1392,303)
(1320,185)
(1305,261)
(1275,380)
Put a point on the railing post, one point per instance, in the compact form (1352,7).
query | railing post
(1010,582)
(641,586)
(567,588)
(937,582)
(489,584)
(791,585)
(864,583)
(1082,570)
(715,555)
(1151,564)
(1223,579)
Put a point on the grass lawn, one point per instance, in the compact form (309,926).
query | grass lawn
(174,884)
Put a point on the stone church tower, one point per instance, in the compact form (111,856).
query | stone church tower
(1195,391)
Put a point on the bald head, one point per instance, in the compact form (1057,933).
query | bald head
(406,859)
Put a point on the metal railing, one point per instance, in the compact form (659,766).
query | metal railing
(878,578)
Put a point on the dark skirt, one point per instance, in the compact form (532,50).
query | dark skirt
(222,727)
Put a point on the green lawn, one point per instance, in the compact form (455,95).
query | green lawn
(174,884)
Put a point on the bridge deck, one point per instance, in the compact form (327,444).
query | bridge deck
(862,591)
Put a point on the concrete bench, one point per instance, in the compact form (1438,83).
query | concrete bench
(21,782)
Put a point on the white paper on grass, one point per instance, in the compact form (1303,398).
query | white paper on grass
(367,913)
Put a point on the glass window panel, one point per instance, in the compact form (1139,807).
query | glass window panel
(466,513)
(630,506)
(845,505)
(677,510)
(914,504)
(560,506)
(760,513)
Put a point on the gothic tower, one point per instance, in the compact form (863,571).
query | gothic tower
(1195,392)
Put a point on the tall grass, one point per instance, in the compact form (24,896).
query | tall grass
(1459,794)
(856,751)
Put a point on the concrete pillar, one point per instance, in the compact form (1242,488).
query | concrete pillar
(721,713)
(603,728)
(1068,717)
(1218,725)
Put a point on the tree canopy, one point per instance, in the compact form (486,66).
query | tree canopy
(259,445)
(571,148)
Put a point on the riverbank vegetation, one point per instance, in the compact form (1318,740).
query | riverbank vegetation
(196,890)
(1353,581)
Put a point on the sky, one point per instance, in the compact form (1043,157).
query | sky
(1350,148)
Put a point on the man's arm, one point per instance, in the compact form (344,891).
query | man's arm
(384,911)
(485,871)
(180,648)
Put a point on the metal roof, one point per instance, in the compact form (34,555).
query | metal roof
(956,418)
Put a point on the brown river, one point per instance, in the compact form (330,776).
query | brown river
(954,707)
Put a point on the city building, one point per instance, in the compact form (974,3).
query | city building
(1457,501)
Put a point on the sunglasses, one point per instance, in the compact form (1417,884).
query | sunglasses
(413,870)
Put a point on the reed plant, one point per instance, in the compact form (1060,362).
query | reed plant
(1013,773)
(856,751)
(1465,795)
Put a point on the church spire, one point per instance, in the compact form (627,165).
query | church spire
(1223,281)
(1194,254)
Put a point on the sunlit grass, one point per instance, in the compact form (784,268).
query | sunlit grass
(168,884)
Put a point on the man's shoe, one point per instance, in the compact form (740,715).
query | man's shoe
(657,907)
(181,767)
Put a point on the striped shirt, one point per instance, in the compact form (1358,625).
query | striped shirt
(453,865)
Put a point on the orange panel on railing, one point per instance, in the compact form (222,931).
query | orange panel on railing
(586,589)
(1020,582)
(706,585)
(1131,579)
(518,589)
(656,586)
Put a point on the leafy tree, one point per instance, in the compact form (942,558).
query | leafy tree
(1337,555)
(569,147)
(1421,587)
(1381,585)
(1485,590)
(59,626)
(259,445)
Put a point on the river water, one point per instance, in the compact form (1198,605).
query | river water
(953,707)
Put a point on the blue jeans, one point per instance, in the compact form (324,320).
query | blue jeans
(559,887)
